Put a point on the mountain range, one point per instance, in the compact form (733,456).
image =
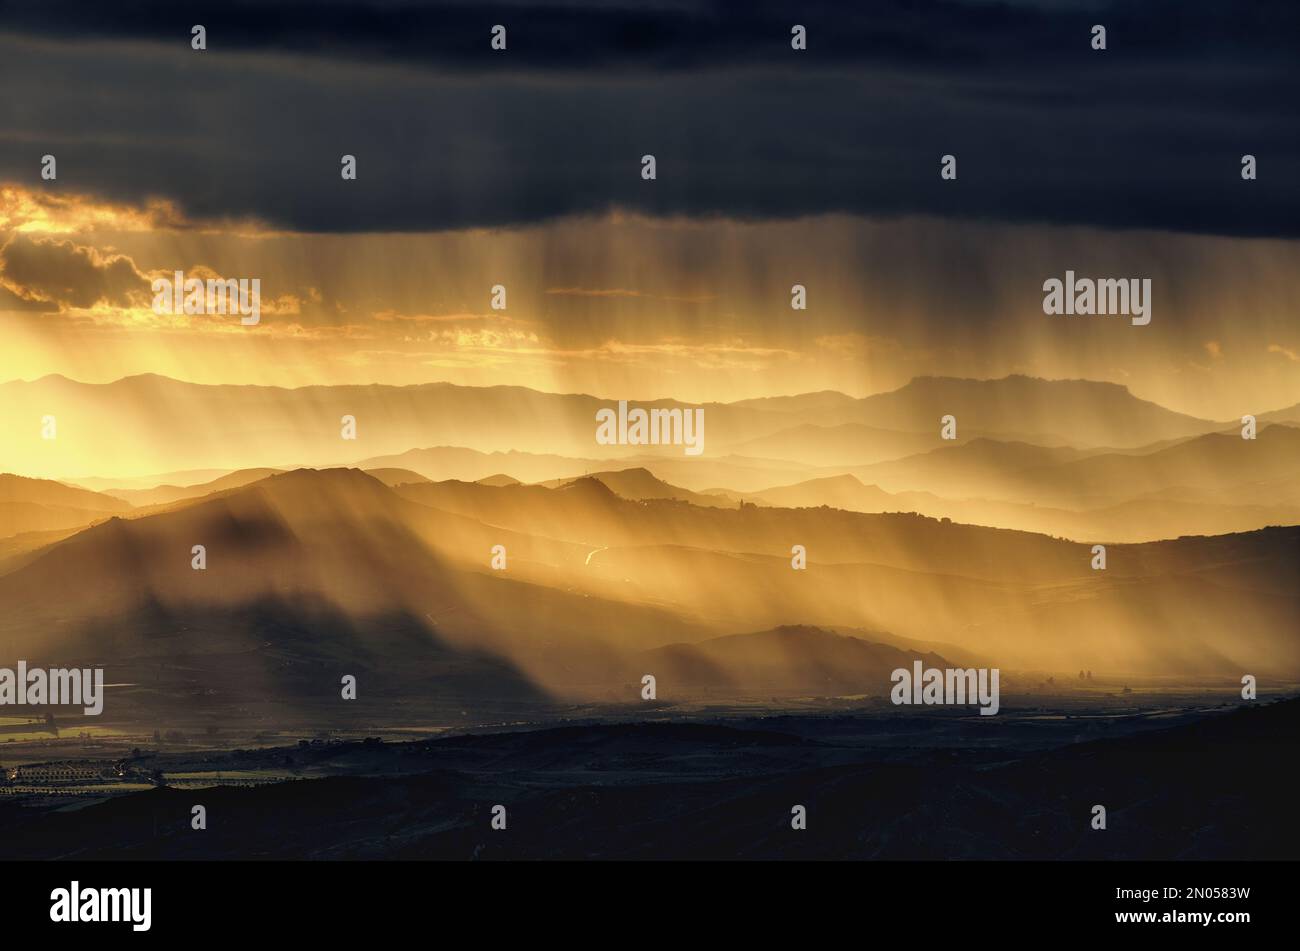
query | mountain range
(819,542)
(155,424)
(313,574)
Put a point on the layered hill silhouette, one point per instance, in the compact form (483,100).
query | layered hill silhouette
(514,562)
(42,505)
(16,489)
(1212,484)
(1155,515)
(442,463)
(1213,467)
(152,423)
(166,494)
(308,574)
(1075,458)
(640,484)
(1066,412)
(841,492)
(312,574)
(851,444)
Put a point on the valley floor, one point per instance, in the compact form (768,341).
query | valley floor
(1182,775)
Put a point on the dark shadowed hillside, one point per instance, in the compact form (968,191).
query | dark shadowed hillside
(702,791)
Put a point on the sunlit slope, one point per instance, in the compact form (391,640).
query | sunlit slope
(46,492)
(1164,513)
(639,484)
(588,511)
(1209,621)
(165,494)
(1210,484)
(1192,605)
(392,580)
(42,505)
(336,544)
(389,476)
(841,492)
(442,463)
(1216,467)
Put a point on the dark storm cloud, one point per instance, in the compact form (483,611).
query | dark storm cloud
(671,34)
(449,134)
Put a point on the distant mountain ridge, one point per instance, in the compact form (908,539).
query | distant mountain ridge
(1079,412)
(639,484)
(43,505)
(153,423)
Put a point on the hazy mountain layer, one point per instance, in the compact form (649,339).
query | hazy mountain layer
(315,574)
(154,424)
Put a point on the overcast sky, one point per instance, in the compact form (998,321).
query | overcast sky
(451,134)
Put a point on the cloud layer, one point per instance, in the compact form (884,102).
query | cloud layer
(449,134)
